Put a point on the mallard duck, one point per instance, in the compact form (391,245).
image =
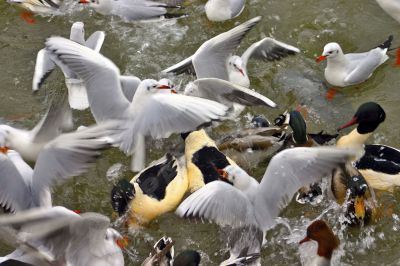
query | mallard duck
(156,190)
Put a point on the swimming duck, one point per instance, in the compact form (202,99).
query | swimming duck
(156,190)
(350,69)
(204,161)
(252,206)
(327,242)
(380,163)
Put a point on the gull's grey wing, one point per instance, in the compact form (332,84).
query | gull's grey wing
(101,76)
(365,67)
(210,59)
(43,68)
(68,155)
(14,193)
(129,84)
(268,49)
(290,170)
(135,11)
(57,118)
(95,41)
(221,203)
(185,66)
(226,92)
(236,7)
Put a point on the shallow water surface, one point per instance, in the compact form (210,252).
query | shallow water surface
(144,49)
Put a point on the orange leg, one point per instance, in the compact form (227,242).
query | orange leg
(28,17)
(330,94)
(397,57)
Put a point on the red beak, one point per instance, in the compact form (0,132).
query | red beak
(161,87)
(174,91)
(4,149)
(306,239)
(353,121)
(320,58)
(241,71)
(84,2)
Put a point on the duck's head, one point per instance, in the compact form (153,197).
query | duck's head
(368,117)
(331,51)
(187,258)
(357,209)
(260,121)
(236,64)
(327,241)
(299,127)
(121,195)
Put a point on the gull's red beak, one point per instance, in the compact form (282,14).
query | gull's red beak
(163,87)
(122,242)
(320,58)
(222,173)
(4,149)
(241,71)
(84,2)
(306,239)
(174,91)
(353,121)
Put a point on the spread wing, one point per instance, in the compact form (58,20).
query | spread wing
(95,41)
(43,68)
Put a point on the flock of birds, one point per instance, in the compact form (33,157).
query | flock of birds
(202,182)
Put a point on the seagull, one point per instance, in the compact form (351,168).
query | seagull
(249,207)
(28,143)
(221,10)
(349,69)
(152,112)
(45,64)
(215,58)
(132,10)
(66,156)
(61,237)
(392,7)
(38,6)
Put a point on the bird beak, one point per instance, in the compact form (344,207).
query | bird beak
(4,149)
(174,91)
(122,242)
(348,124)
(84,2)
(320,58)
(222,173)
(306,239)
(163,87)
(241,71)
(359,207)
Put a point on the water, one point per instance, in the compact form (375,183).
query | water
(143,49)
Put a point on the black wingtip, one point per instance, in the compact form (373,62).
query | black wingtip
(178,15)
(386,44)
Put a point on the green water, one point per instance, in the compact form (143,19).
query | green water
(143,49)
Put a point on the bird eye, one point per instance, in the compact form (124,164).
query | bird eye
(93,1)
(330,52)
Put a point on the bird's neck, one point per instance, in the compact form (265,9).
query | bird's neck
(339,60)
(321,261)
(77,37)
(353,139)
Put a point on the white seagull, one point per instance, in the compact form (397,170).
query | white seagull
(38,6)
(132,9)
(349,69)
(392,7)
(221,10)
(45,64)
(66,156)
(152,112)
(58,236)
(28,143)
(249,207)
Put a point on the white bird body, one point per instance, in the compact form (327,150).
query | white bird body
(221,10)
(349,69)
(392,7)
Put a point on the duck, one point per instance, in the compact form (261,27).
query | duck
(349,69)
(328,242)
(221,10)
(45,64)
(204,161)
(132,10)
(392,7)
(251,207)
(157,189)
(28,143)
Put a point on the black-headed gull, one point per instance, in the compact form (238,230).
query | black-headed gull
(349,69)
(132,9)
(66,156)
(28,143)
(45,64)
(392,7)
(221,10)
(58,236)
(156,110)
(38,6)
(256,205)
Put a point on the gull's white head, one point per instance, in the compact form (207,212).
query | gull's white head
(152,86)
(331,50)
(114,236)
(237,176)
(191,89)
(77,32)
(104,7)
(235,63)
(167,82)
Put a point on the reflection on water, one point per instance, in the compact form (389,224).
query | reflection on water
(143,49)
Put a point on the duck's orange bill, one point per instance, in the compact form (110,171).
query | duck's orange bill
(122,242)
(306,239)
(359,208)
(320,58)
(4,149)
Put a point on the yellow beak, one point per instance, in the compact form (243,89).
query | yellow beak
(359,207)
